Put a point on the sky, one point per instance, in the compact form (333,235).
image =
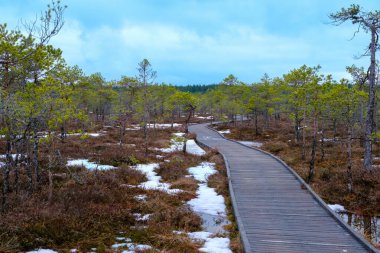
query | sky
(201,41)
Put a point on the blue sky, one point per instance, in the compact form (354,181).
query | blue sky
(201,41)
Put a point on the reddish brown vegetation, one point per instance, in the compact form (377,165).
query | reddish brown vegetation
(88,209)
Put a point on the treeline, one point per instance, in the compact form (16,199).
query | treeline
(197,88)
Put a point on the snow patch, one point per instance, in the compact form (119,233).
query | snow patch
(201,235)
(89,134)
(204,117)
(89,165)
(160,126)
(153,182)
(202,171)
(176,144)
(4,156)
(193,148)
(140,217)
(211,244)
(216,245)
(141,197)
(163,126)
(208,201)
(42,251)
(336,208)
(227,131)
(132,247)
(251,143)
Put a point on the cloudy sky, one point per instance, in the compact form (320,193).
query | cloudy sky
(201,41)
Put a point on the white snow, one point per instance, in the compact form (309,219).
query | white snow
(203,117)
(251,143)
(163,126)
(4,156)
(42,251)
(329,139)
(140,217)
(336,207)
(94,134)
(207,200)
(141,197)
(202,171)
(132,247)
(177,145)
(132,128)
(153,182)
(201,235)
(216,245)
(212,244)
(89,165)
(89,134)
(227,131)
(119,245)
(193,148)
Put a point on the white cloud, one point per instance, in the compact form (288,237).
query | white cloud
(109,50)
(71,41)
(244,51)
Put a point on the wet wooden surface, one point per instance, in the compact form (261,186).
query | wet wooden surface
(276,214)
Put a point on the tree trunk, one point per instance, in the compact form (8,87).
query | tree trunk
(297,127)
(370,120)
(304,138)
(184,146)
(4,199)
(322,144)
(349,160)
(63,134)
(334,129)
(17,177)
(146,115)
(35,160)
(50,194)
(313,151)
(256,125)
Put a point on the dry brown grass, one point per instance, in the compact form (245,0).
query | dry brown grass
(91,210)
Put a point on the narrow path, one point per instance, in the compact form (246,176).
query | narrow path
(274,210)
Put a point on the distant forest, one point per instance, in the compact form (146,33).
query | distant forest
(197,88)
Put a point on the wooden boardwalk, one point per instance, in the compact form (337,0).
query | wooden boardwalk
(274,213)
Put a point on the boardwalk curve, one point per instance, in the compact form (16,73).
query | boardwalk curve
(275,210)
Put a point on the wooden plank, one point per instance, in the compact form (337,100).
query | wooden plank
(274,213)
